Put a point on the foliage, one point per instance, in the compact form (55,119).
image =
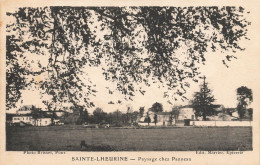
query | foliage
(134,116)
(14,72)
(244,97)
(147,118)
(203,101)
(157,107)
(99,115)
(141,111)
(155,118)
(250,113)
(133,45)
(36,112)
(83,118)
(175,112)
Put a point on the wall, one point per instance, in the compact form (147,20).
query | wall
(221,123)
(166,123)
(43,122)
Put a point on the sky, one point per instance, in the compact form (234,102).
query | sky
(222,80)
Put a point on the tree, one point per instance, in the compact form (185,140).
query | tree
(175,112)
(147,118)
(117,117)
(134,116)
(15,80)
(202,101)
(155,118)
(99,115)
(250,113)
(131,44)
(244,97)
(83,118)
(157,107)
(36,112)
(129,114)
(141,111)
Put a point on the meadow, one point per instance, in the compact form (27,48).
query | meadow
(69,138)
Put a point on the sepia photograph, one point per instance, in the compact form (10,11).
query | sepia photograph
(130,78)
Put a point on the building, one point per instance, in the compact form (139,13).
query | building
(27,109)
(163,119)
(30,115)
(29,120)
(186,112)
(42,122)
(25,119)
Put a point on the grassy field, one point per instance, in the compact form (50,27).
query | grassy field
(68,138)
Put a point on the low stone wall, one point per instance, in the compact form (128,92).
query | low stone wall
(221,123)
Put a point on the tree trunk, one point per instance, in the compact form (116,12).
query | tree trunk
(204,117)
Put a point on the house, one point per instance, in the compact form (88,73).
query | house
(218,108)
(29,120)
(186,112)
(163,119)
(27,109)
(42,122)
(25,119)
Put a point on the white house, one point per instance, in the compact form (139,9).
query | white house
(163,119)
(42,122)
(23,119)
(186,112)
(29,120)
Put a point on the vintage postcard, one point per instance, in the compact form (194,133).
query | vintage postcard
(130,82)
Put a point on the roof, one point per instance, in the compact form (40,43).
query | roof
(186,106)
(216,106)
(190,106)
(163,113)
(21,115)
(26,107)
(54,111)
